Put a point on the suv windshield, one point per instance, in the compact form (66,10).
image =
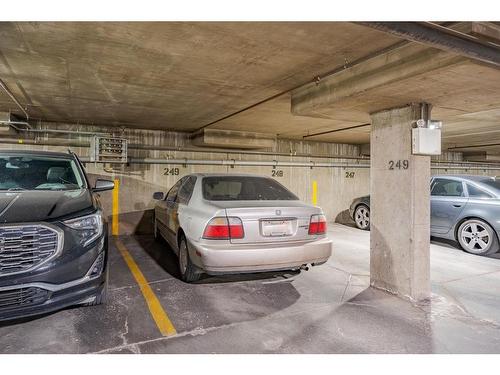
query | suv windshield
(33,172)
(244,188)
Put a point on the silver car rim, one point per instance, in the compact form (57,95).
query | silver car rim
(183,257)
(475,237)
(362,217)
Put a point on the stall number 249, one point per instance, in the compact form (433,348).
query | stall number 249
(398,164)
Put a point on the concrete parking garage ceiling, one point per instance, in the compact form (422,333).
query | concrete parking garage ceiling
(168,75)
(181,76)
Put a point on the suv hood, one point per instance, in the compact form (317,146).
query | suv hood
(30,206)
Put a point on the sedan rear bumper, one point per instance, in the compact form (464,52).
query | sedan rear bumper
(231,258)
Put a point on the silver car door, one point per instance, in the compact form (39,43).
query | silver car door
(448,199)
(182,200)
(164,211)
(172,214)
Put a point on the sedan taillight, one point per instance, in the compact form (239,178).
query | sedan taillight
(224,228)
(317,225)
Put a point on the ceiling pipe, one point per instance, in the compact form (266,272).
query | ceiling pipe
(279,164)
(134,146)
(233,162)
(461,165)
(336,130)
(56,143)
(442,38)
(53,131)
(14,99)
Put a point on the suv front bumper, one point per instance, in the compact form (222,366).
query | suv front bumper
(49,297)
(52,288)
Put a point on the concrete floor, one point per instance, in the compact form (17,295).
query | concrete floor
(329,309)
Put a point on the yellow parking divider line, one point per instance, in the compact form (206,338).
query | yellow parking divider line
(315,193)
(157,312)
(115,209)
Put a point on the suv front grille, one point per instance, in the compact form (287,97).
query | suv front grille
(22,297)
(25,247)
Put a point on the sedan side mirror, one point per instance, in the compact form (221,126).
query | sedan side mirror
(103,185)
(158,195)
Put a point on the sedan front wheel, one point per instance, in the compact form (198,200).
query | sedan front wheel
(477,237)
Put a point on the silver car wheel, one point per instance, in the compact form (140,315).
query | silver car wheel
(183,257)
(476,237)
(362,217)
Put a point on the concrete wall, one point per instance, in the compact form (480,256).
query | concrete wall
(139,181)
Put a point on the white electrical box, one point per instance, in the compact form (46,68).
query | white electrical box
(108,150)
(426,141)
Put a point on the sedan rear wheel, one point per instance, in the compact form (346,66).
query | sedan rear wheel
(477,237)
(189,272)
(362,217)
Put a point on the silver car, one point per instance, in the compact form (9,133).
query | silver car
(233,223)
(463,208)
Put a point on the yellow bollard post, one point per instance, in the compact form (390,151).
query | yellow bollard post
(315,193)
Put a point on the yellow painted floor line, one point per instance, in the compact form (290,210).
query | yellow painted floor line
(157,312)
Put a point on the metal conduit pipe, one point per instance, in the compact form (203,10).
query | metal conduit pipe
(437,165)
(457,165)
(181,149)
(233,162)
(16,141)
(277,163)
(133,146)
(442,38)
(55,131)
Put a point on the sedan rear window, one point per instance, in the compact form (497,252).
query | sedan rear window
(494,183)
(244,188)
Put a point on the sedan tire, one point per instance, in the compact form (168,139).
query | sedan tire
(189,272)
(362,217)
(477,237)
(156,234)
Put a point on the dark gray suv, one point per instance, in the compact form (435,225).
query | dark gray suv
(53,236)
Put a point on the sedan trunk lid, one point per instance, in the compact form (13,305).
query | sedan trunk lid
(272,221)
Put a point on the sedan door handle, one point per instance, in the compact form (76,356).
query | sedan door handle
(457,205)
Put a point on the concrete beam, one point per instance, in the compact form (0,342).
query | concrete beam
(396,65)
(487,31)
(481,156)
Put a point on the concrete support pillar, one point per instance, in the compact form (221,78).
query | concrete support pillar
(400,205)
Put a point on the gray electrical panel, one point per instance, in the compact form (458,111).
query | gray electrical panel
(108,150)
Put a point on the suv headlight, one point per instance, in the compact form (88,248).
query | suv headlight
(88,228)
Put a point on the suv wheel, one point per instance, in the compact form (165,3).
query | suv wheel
(362,217)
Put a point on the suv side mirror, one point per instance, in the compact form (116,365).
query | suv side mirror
(158,195)
(103,185)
